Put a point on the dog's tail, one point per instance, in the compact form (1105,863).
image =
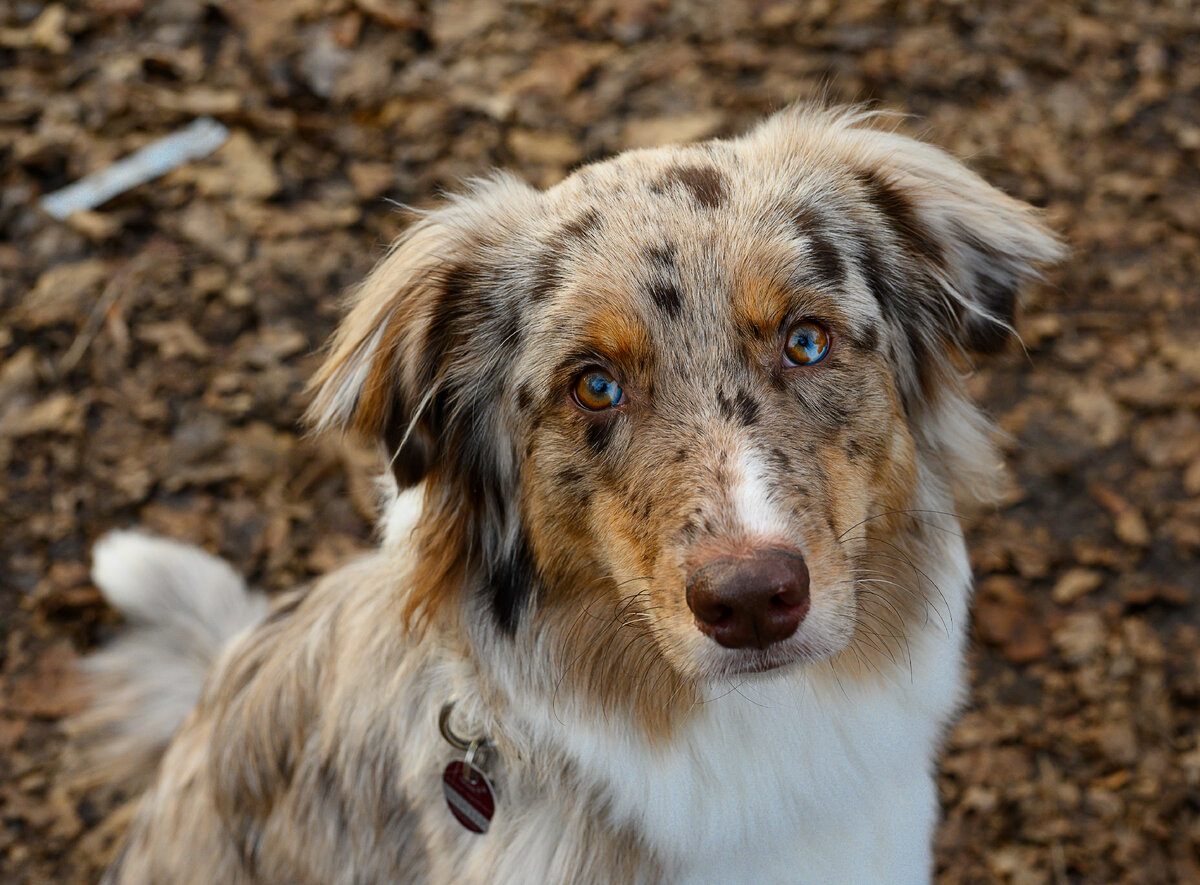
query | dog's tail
(183,608)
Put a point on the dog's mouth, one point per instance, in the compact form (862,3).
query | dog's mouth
(780,656)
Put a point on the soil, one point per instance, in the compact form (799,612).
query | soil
(153,352)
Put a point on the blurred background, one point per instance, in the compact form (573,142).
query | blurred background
(153,351)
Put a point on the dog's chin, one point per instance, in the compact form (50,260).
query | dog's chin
(721,663)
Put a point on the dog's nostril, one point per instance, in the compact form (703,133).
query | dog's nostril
(750,602)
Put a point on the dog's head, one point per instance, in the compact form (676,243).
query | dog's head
(662,393)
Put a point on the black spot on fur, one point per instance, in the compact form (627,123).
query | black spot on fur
(547,276)
(879,281)
(706,184)
(568,477)
(524,397)
(779,458)
(509,330)
(681,455)
(512,582)
(726,406)
(598,435)
(868,339)
(825,258)
(854,449)
(582,226)
(995,288)
(457,289)
(898,209)
(747,409)
(662,256)
(999,298)
(666,298)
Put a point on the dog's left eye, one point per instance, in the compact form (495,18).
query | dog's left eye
(597,390)
(807,343)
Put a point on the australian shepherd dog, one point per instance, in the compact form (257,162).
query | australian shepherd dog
(670,586)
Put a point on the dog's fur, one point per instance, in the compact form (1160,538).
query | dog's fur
(534,570)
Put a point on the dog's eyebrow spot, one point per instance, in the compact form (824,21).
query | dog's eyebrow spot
(524,397)
(898,209)
(824,254)
(706,184)
(747,409)
(666,297)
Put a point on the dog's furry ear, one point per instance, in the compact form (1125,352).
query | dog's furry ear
(382,362)
(943,252)
(978,242)
(974,246)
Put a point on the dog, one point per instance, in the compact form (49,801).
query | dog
(670,586)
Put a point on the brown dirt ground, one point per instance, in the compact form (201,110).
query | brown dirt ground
(152,353)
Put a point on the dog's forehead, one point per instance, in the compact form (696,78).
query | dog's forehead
(664,190)
(704,235)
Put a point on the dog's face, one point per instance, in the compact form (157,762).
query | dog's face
(671,391)
(707,404)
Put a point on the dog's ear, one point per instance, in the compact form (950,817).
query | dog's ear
(975,245)
(383,361)
(942,251)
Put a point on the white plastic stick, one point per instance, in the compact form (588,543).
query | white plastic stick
(198,139)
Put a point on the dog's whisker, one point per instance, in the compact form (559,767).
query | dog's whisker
(900,512)
(901,556)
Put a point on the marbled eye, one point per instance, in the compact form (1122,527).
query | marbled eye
(807,343)
(597,390)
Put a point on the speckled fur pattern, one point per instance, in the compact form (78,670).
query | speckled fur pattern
(535,554)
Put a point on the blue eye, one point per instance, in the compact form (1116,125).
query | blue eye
(807,343)
(597,390)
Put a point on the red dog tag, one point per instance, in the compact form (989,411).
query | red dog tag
(469,796)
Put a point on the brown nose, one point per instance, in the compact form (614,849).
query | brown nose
(743,603)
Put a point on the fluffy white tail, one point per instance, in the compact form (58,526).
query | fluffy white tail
(183,607)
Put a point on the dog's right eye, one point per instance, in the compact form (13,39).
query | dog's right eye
(596,390)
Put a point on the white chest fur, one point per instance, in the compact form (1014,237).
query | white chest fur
(796,777)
